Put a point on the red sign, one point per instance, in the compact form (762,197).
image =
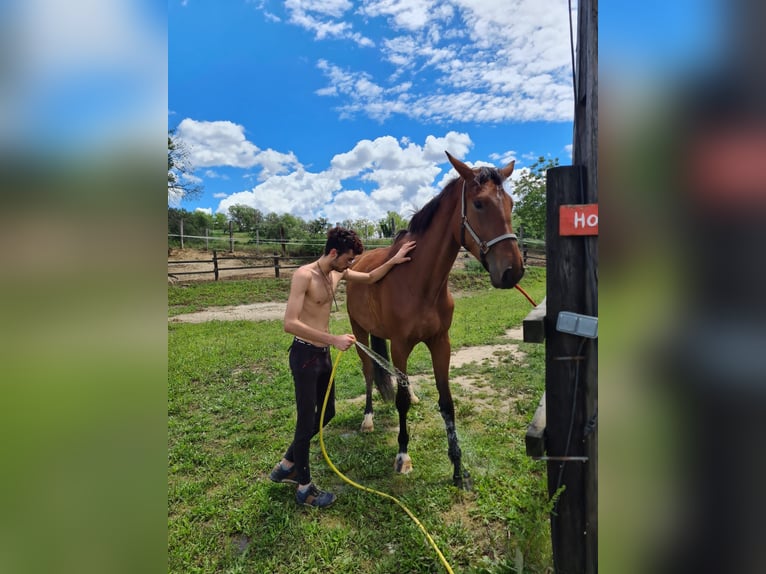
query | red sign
(578,219)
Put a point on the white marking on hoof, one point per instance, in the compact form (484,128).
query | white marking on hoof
(367,425)
(413,398)
(403,463)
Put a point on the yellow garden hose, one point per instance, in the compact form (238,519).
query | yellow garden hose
(366,489)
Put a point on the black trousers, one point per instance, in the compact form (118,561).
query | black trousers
(311,368)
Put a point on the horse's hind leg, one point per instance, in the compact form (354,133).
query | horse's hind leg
(440,356)
(363,337)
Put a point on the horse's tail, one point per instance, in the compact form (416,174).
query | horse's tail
(382,377)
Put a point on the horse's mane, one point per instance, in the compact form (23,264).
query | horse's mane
(421,221)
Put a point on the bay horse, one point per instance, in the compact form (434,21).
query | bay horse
(413,304)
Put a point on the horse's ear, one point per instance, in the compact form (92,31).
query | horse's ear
(465,172)
(507,170)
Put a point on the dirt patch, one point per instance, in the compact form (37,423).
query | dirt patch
(491,353)
(253,312)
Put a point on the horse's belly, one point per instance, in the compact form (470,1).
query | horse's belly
(387,318)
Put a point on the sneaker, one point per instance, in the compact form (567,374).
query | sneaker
(279,474)
(314,497)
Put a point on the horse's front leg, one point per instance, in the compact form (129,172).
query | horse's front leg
(440,356)
(367,422)
(367,369)
(399,354)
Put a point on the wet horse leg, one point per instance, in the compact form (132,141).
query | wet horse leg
(363,337)
(440,356)
(399,354)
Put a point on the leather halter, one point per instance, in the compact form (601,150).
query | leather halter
(484,246)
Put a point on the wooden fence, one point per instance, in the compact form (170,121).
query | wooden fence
(532,256)
(275,262)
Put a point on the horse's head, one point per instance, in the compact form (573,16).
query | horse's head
(485,222)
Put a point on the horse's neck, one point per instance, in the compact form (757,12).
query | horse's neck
(438,242)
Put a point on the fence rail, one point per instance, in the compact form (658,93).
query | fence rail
(277,262)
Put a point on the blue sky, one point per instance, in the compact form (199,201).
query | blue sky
(339,109)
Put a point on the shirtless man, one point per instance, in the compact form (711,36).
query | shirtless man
(307,317)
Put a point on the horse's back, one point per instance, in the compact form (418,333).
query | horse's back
(371,259)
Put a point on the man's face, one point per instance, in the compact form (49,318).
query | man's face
(343,261)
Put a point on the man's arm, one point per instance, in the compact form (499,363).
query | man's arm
(379,272)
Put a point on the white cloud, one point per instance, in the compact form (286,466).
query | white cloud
(300,193)
(503,158)
(316,16)
(407,14)
(223,143)
(216,143)
(492,63)
(207,210)
(375,176)
(190,178)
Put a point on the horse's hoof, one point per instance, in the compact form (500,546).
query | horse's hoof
(464,482)
(403,464)
(367,425)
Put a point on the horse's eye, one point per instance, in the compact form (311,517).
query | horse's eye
(477,204)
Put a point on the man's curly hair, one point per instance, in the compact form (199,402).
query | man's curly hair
(343,240)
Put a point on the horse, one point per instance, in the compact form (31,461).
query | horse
(413,304)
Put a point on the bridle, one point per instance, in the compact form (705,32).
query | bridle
(484,246)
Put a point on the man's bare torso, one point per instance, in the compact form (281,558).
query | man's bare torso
(317,302)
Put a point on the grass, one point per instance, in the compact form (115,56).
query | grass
(231,415)
(191,297)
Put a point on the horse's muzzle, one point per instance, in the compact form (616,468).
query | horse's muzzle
(509,278)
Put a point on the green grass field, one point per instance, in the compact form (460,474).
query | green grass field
(231,415)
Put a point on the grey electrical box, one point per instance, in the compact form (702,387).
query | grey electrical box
(576,324)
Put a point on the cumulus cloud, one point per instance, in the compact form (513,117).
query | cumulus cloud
(223,143)
(372,178)
(300,193)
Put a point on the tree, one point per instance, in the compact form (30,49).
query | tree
(529,210)
(318,226)
(220,220)
(246,218)
(364,228)
(286,226)
(392,224)
(181,182)
(194,224)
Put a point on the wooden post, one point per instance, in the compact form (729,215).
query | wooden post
(215,264)
(585,153)
(567,361)
(207,235)
(182,232)
(276,265)
(524,250)
(231,237)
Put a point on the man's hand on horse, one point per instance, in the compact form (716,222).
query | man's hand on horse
(401,255)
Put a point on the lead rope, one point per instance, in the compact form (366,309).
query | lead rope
(365,488)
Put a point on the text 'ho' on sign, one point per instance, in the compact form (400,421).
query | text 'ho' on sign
(578,219)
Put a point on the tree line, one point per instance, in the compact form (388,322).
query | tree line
(276,227)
